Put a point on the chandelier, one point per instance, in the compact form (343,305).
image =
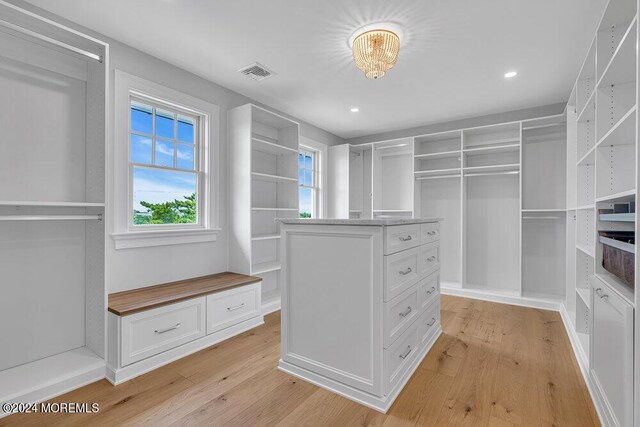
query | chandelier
(375,51)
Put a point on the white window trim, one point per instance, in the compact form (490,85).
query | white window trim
(321,159)
(126,236)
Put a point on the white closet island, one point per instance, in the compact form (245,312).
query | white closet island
(360,303)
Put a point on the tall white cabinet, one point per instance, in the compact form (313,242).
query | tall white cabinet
(52,196)
(263,177)
(602,159)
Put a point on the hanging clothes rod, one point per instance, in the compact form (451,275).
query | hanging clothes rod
(542,217)
(493,173)
(421,178)
(49,217)
(47,39)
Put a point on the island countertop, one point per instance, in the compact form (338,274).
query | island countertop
(369,222)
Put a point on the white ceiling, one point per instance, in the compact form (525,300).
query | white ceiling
(451,63)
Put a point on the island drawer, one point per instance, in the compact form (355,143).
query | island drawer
(429,232)
(429,258)
(400,356)
(400,237)
(400,272)
(428,290)
(429,321)
(399,314)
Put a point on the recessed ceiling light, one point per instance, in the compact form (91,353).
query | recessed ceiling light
(354,109)
(511,74)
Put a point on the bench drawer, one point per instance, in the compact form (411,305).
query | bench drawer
(400,356)
(150,332)
(429,232)
(400,237)
(231,307)
(399,314)
(400,272)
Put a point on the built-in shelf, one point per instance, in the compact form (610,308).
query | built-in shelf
(623,132)
(588,250)
(427,177)
(392,210)
(273,209)
(543,126)
(622,66)
(585,295)
(266,237)
(623,196)
(584,159)
(441,155)
(53,204)
(272,178)
(582,117)
(617,285)
(268,146)
(585,207)
(544,210)
(507,148)
(266,267)
(618,217)
(496,143)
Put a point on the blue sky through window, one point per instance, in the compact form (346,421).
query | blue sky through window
(178,151)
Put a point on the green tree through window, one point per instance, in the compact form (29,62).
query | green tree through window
(174,212)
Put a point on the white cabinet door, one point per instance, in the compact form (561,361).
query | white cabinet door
(612,361)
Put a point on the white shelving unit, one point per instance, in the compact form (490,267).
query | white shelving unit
(52,198)
(602,160)
(263,187)
(393,177)
(350,181)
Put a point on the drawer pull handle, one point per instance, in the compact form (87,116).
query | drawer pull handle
(432,233)
(431,258)
(429,292)
(173,328)
(405,239)
(405,272)
(600,294)
(433,321)
(406,312)
(406,353)
(237,307)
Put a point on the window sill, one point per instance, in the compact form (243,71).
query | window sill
(145,239)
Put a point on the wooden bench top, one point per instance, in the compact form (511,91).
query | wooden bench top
(129,302)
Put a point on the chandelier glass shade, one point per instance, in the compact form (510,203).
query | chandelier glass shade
(375,52)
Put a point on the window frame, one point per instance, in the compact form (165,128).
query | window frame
(316,179)
(200,167)
(120,183)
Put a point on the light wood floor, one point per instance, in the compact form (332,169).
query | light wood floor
(494,365)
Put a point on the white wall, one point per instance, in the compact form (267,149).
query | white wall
(134,268)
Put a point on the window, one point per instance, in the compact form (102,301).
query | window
(308,179)
(164,167)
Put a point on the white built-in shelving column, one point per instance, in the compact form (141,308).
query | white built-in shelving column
(52,200)
(393,179)
(264,186)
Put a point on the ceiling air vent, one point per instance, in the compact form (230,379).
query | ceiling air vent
(257,72)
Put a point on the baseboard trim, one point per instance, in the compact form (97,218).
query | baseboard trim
(270,306)
(531,302)
(380,404)
(119,375)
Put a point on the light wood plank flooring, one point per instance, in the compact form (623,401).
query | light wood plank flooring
(494,364)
